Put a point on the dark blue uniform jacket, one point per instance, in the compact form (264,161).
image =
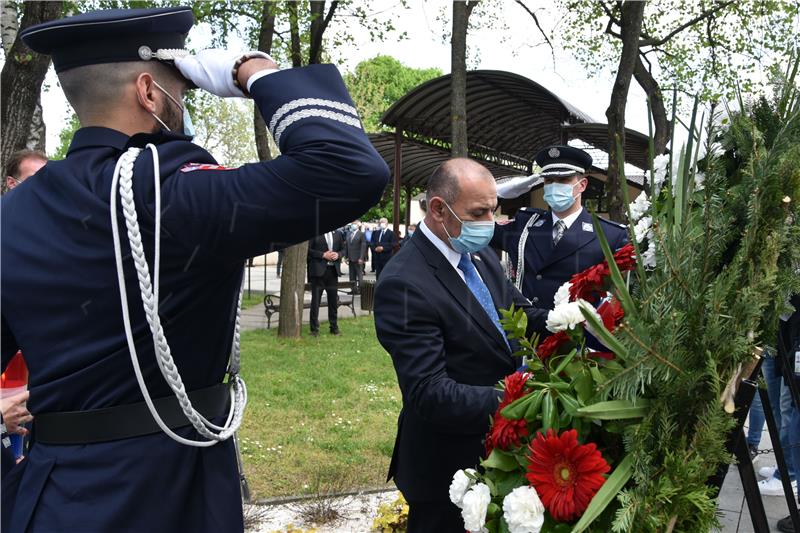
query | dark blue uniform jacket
(61,304)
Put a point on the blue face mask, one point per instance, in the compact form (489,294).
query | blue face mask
(188,125)
(475,234)
(559,196)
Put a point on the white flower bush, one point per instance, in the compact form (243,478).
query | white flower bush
(475,503)
(523,510)
(660,163)
(649,255)
(460,485)
(639,207)
(562,294)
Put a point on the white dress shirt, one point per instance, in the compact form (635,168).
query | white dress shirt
(451,255)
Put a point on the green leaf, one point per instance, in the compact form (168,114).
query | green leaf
(549,414)
(618,478)
(517,409)
(567,359)
(597,375)
(569,402)
(583,385)
(616,277)
(501,461)
(534,406)
(615,409)
(604,335)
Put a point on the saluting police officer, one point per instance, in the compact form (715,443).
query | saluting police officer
(559,243)
(85,295)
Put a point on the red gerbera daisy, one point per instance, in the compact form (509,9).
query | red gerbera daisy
(566,474)
(552,343)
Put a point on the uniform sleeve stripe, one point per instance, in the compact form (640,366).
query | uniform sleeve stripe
(314,112)
(294,104)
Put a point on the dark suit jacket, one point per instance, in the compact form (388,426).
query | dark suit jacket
(355,246)
(316,247)
(387,241)
(448,356)
(546,267)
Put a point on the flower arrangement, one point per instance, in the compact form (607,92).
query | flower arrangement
(617,423)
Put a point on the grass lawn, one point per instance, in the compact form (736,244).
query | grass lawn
(255,298)
(322,412)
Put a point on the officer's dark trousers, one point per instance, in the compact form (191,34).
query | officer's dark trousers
(326,282)
(356,275)
(434,517)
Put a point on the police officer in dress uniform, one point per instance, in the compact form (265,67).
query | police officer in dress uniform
(90,245)
(559,243)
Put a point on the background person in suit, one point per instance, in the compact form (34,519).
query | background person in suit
(557,243)
(383,242)
(436,314)
(324,268)
(356,254)
(23,164)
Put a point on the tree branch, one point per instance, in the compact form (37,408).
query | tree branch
(705,14)
(536,20)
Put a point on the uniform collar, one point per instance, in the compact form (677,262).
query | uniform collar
(567,220)
(94,136)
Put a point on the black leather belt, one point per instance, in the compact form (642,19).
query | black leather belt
(126,421)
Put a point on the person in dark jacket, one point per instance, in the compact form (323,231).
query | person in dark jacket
(324,268)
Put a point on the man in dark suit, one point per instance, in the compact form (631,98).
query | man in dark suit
(558,243)
(436,314)
(324,268)
(382,244)
(356,254)
(99,461)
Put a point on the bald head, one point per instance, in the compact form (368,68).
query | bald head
(459,190)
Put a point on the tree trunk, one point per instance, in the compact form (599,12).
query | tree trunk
(21,82)
(9,23)
(458,80)
(662,125)
(630,29)
(293,276)
(265,35)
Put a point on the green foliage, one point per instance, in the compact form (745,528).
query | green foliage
(223,127)
(392,517)
(65,137)
(378,83)
(710,58)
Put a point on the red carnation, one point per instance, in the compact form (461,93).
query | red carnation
(552,343)
(625,258)
(589,284)
(566,474)
(514,387)
(505,434)
(612,313)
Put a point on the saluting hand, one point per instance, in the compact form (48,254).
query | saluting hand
(211,70)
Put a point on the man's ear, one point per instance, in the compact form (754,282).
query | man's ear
(145,92)
(10,183)
(436,208)
(583,183)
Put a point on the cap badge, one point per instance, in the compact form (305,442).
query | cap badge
(554,152)
(145,53)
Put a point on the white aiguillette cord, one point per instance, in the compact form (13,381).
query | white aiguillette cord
(123,180)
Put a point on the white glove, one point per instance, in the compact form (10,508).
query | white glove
(517,186)
(212,70)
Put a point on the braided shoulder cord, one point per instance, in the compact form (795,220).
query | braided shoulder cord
(123,181)
(523,239)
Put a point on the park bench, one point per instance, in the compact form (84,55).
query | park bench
(344,299)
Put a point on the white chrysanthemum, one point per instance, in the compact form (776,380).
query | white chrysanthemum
(566,316)
(660,163)
(475,503)
(562,294)
(639,207)
(649,255)
(523,510)
(643,229)
(699,181)
(460,485)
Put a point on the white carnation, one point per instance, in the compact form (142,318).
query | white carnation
(643,229)
(566,316)
(562,294)
(523,510)
(649,255)
(475,503)
(460,485)
(639,207)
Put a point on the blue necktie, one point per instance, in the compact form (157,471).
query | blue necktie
(481,292)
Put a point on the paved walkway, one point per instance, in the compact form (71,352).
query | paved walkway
(734,515)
